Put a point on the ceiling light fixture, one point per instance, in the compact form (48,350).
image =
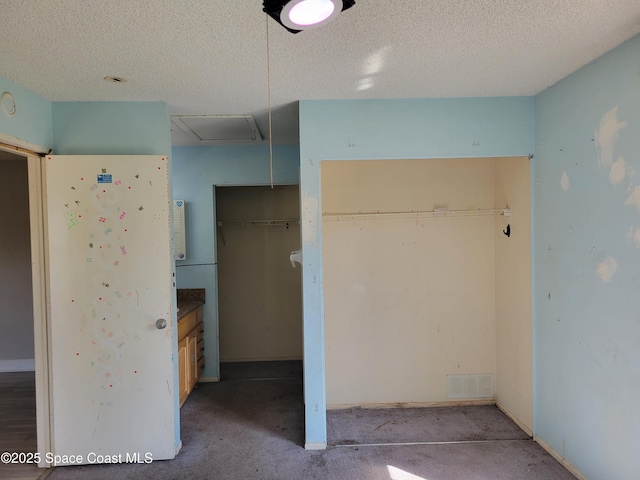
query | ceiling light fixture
(298,15)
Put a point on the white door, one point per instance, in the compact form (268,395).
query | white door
(109,278)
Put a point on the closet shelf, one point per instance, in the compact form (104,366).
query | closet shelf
(437,213)
(263,223)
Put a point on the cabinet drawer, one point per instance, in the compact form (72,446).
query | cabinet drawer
(200,331)
(200,366)
(187,324)
(200,348)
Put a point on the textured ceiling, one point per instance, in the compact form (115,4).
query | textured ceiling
(207,57)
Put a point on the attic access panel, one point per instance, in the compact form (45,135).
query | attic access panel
(214,129)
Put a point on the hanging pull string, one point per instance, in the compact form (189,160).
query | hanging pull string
(266,16)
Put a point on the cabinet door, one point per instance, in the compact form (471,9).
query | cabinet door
(184,369)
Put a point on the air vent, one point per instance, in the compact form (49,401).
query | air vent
(214,129)
(470,386)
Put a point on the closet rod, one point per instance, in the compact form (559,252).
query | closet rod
(437,213)
(283,223)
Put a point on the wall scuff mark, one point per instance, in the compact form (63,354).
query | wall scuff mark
(618,171)
(607,269)
(309,225)
(607,135)
(564,181)
(634,198)
(634,235)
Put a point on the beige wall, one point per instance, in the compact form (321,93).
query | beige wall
(259,293)
(514,374)
(16,319)
(407,301)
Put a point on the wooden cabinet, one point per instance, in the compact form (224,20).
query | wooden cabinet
(200,349)
(183,370)
(193,371)
(190,352)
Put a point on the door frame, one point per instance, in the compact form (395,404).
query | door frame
(34,161)
(40,318)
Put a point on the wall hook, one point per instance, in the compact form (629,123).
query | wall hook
(507,232)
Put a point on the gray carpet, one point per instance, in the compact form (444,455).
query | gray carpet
(407,425)
(261,370)
(254,430)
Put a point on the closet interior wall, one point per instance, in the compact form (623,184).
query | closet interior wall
(259,292)
(411,299)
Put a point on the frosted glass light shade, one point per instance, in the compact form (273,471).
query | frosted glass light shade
(307,14)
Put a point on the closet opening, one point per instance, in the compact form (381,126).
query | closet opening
(427,300)
(259,290)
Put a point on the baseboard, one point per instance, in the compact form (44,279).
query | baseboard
(315,446)
(179,447)
(515,419)
(21,365)
(46,471)
(574,471)
(461,403)
(208,379)
(260,359)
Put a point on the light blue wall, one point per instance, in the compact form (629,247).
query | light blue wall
(587,329)
(111,128)
(196,170)
(416,128)
(32,121)
(385,129)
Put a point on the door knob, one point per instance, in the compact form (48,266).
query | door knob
(161,323)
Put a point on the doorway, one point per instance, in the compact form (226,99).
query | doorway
(17,364)
(259,291)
